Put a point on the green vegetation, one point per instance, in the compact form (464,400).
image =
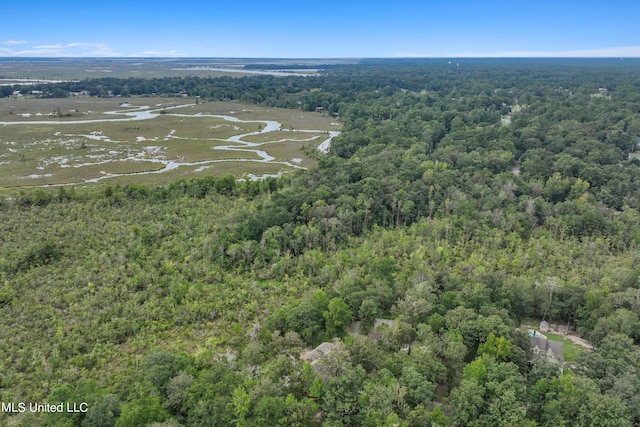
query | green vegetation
(571,349)
(193,302)
(186,139)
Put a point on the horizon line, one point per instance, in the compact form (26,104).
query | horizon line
(342,58)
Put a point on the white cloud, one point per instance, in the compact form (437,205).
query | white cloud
(75,49)
(41,50)
(78,49)
(93,49)
(607,52)
(48,46)
(14,42)
(159,53)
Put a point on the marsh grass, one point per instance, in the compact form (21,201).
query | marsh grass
(294,136)
(43,153)
(198,151)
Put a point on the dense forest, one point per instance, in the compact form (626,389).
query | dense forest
(464,200)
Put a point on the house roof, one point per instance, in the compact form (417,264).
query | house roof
(380,322)
(356,327)
(541,346)
(319,352)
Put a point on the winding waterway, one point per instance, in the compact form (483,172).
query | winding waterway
(239,144)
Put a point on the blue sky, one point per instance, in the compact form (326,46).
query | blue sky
(320,29)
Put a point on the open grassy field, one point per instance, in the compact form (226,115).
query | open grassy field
(77,141)
(570,349)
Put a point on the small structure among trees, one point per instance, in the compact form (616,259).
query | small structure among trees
(314,356)
(544,326)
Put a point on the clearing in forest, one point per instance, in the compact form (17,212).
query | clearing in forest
(75,141)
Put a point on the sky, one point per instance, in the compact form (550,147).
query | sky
(320,29)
